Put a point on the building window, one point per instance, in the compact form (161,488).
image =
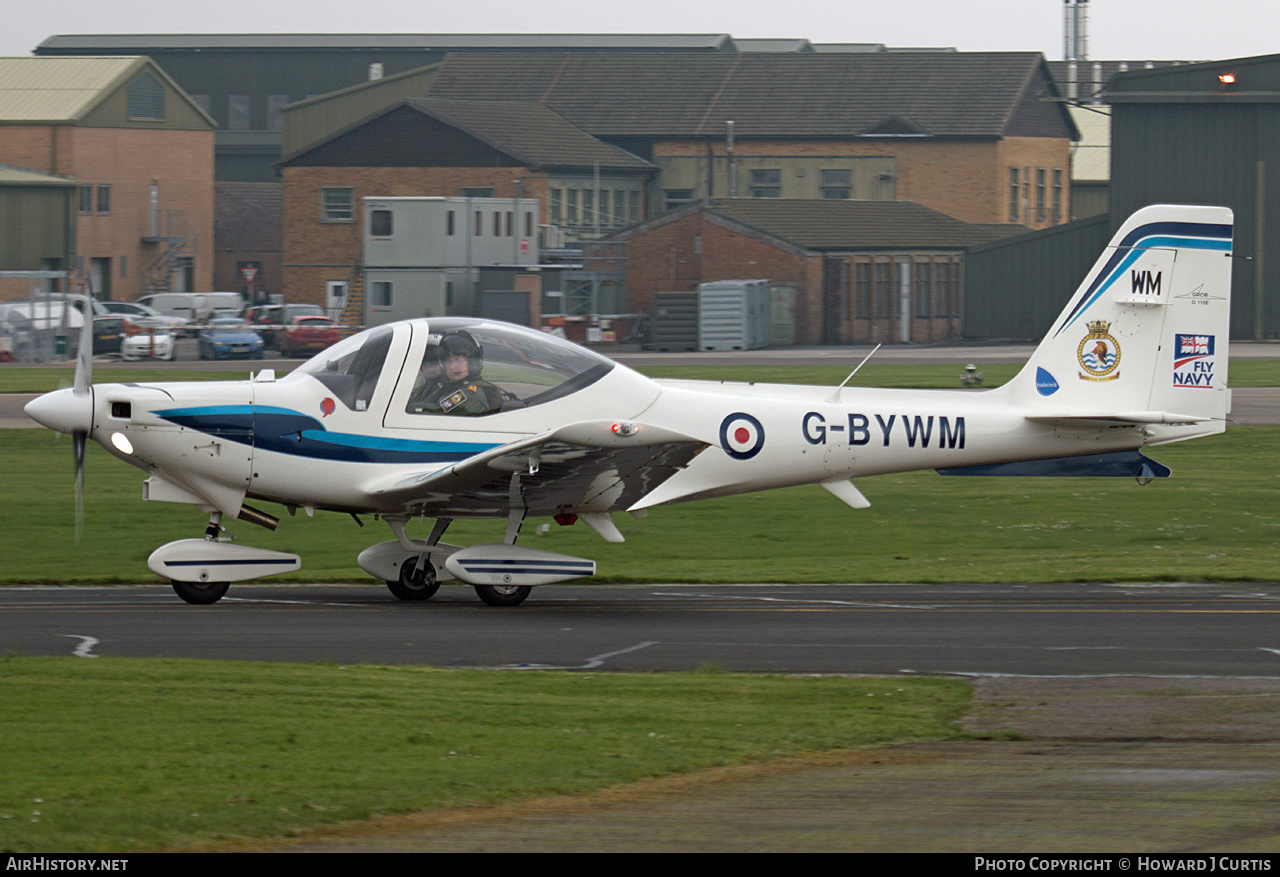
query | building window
(477,191)
(1015,187)
(380,223)
(619,207)
(557,197)
(104,199)
(1041,191)
(673,198)
(882,292)
(86,199)
(380,294)
(571,207)
(945,300)
(337,204)
(633,207)
(862,290)
(837,183)
(238,112)
(923,289)
(588,207)
(1025,203)
(146,98)
(766,184)
(886,187)
(275,118)
(1057,195)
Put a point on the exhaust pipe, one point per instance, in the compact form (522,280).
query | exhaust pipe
(253,516)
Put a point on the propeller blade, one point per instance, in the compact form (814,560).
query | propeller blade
(84,355)
(78,440)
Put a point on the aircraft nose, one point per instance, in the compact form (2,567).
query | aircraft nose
(62,410)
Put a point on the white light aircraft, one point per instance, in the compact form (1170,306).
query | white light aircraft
(459,417)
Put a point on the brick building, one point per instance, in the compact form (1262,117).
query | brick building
(141,153)
(981,136)
(859,271)
(481,149)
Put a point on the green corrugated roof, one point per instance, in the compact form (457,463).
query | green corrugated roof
(58,89)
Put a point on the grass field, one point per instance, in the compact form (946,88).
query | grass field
(1217,518)
(128,755)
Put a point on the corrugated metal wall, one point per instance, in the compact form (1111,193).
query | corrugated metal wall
(1014,288)
(1207,153)
(35,224)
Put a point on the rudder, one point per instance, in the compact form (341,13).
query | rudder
(1147,331)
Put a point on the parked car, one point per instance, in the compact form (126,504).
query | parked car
(196,307)
(268,320)
(135,312)
(307,335)
(54,313)
(229,338)
(147,339)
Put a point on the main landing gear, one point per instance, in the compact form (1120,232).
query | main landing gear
(201,570)
(419,566)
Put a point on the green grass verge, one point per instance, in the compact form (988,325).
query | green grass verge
(1216,519)
(132,755)
(1244,373)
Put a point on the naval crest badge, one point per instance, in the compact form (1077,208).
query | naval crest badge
(1099,353)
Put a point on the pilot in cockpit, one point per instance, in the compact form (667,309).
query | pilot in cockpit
(449,381)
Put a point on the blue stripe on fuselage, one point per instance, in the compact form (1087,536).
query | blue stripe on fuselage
(290,432)
(1156,234)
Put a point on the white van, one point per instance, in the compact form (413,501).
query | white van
(195,307)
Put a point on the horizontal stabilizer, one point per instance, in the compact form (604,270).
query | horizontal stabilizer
(1134,418)
(1122,464)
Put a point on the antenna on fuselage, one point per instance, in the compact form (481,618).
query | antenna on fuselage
(835,397)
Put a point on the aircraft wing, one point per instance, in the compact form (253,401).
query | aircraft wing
(588,467)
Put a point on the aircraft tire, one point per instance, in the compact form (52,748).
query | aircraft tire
(503,595)
(410,588)
(201,593)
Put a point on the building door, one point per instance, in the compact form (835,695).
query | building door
(100,277)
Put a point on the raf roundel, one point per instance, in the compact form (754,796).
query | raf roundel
(741,436)
(327,406)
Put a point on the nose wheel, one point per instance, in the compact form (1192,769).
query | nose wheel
(415,583)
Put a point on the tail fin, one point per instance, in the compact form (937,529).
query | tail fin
(1145,337)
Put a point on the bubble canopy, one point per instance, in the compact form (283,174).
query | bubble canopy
(528,367)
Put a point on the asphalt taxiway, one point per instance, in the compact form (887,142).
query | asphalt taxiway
(1203,630)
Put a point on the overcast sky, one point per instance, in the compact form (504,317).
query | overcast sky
(1118,29)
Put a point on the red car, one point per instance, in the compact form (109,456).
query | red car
(307,335)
